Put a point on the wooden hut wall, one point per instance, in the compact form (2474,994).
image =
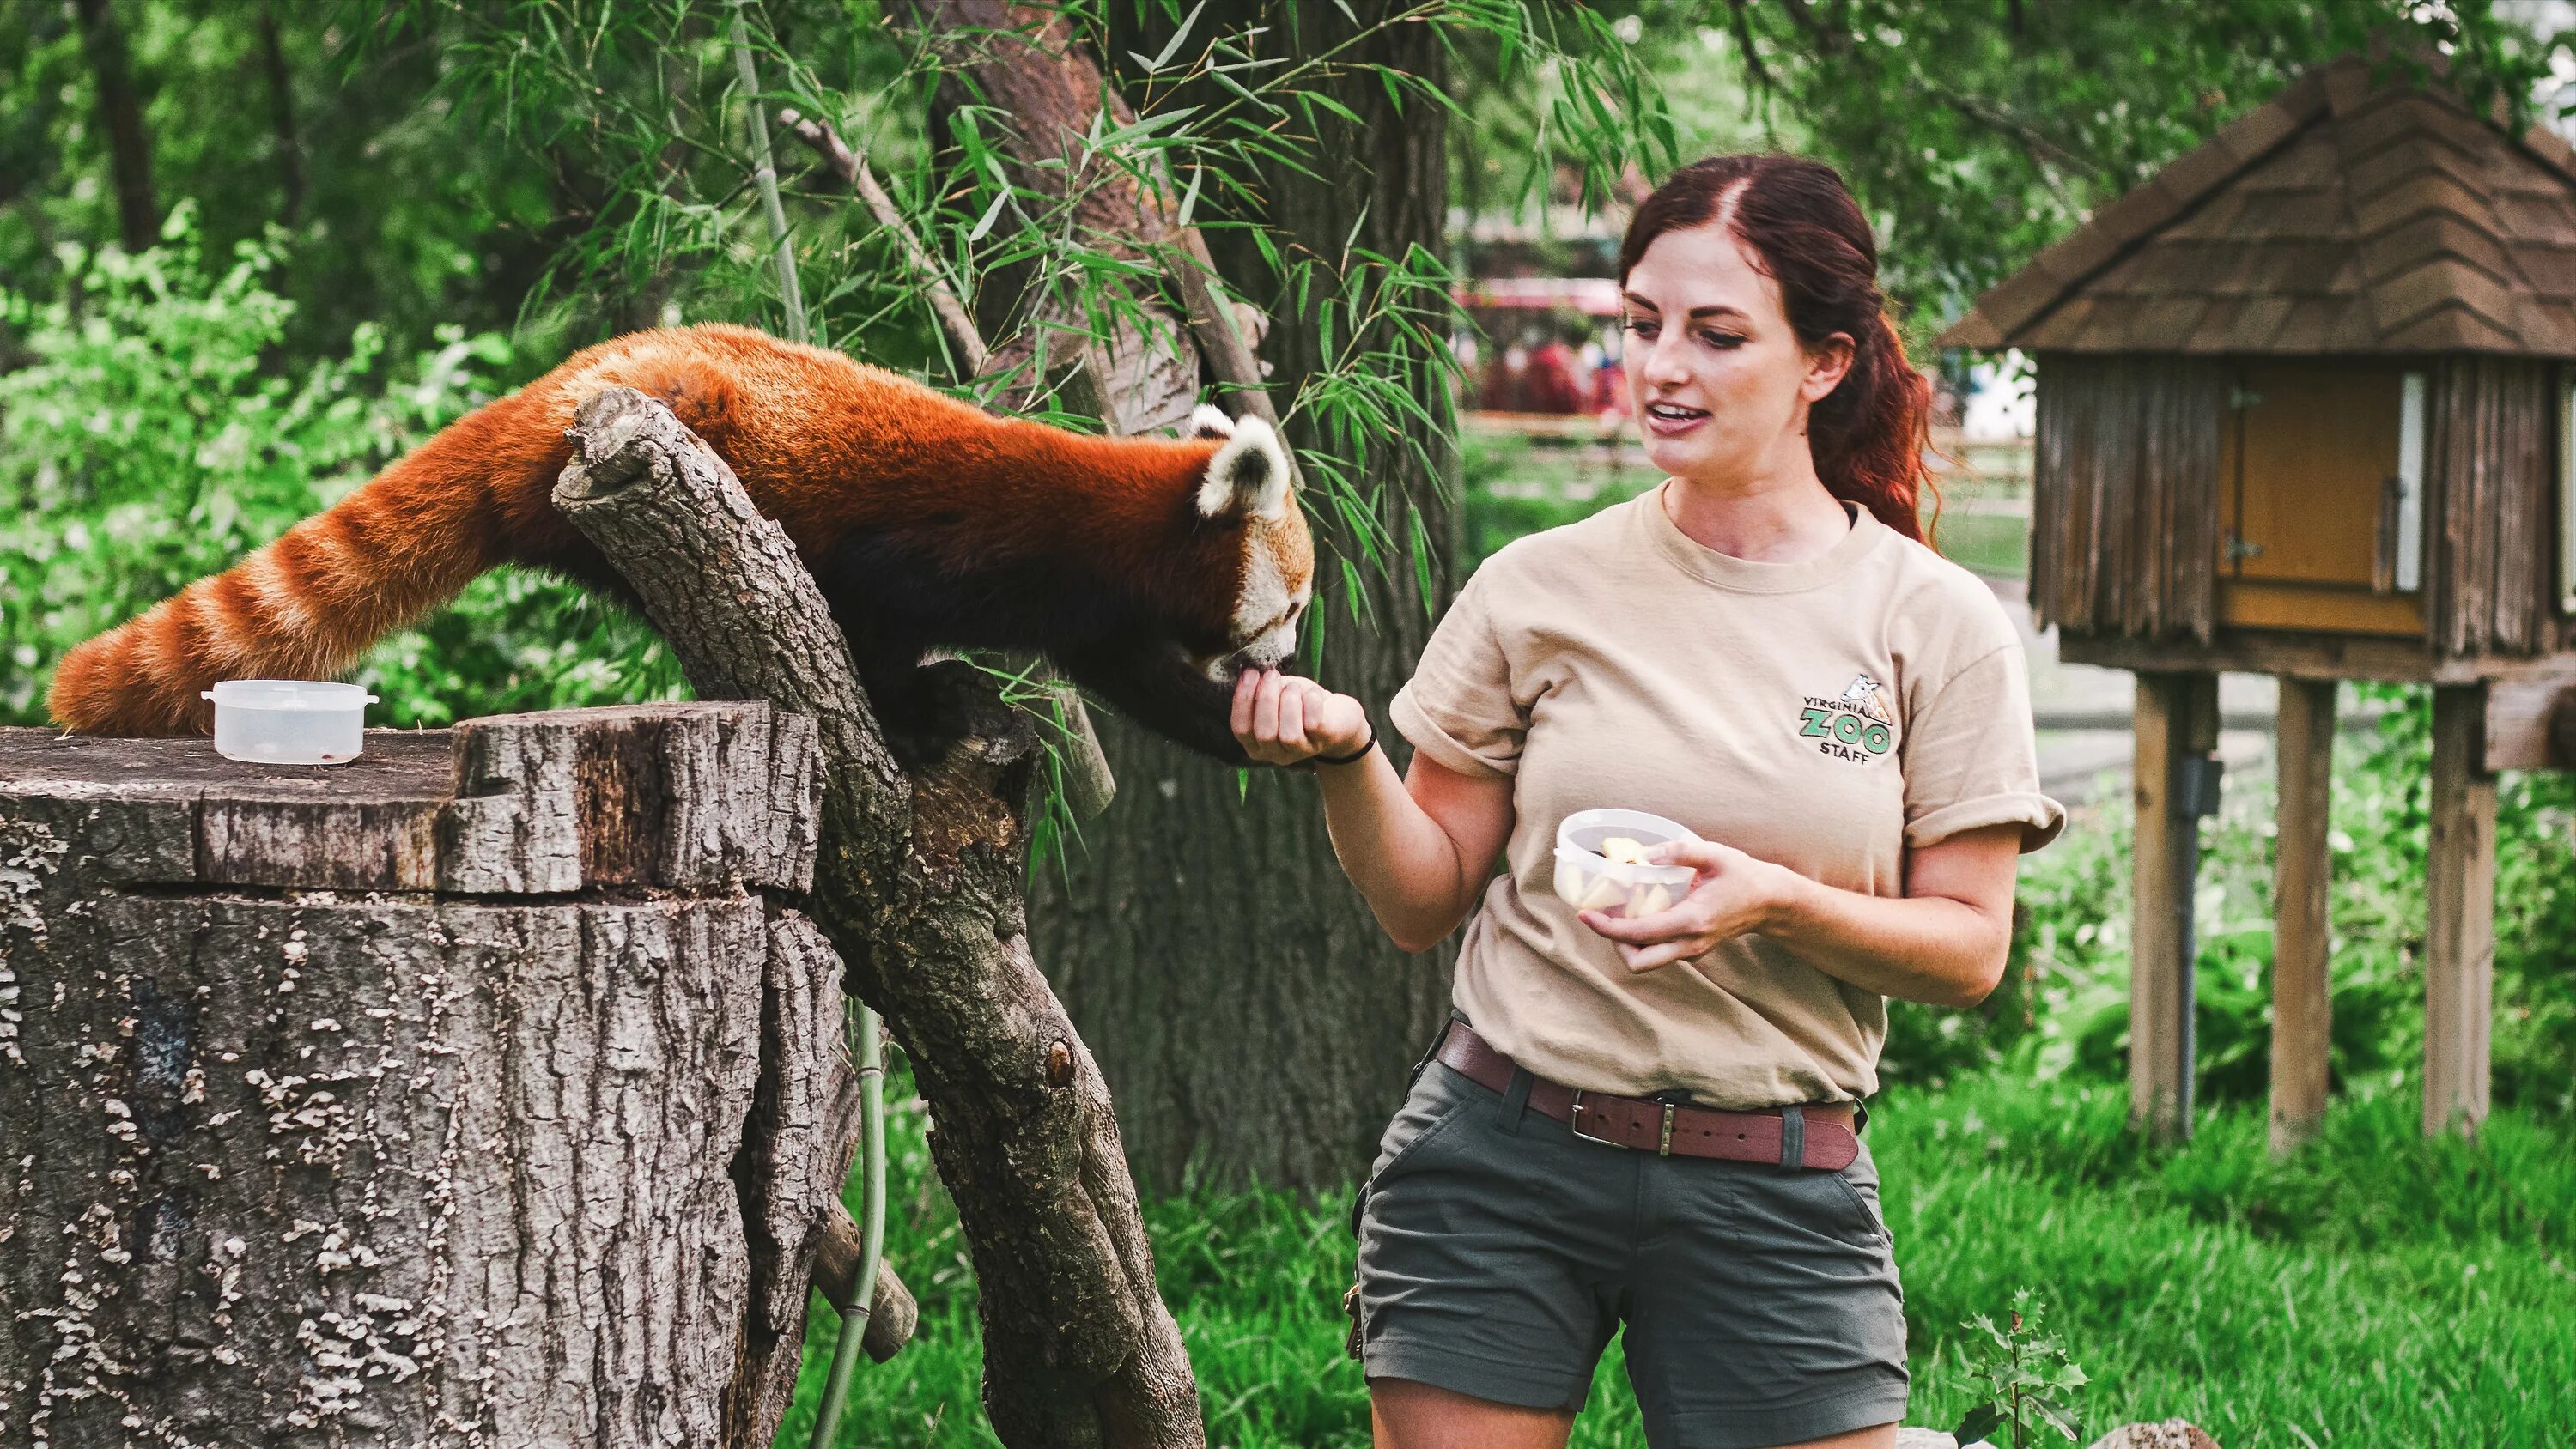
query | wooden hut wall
(2493,459)
(2124,515)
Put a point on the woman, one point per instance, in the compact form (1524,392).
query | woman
(1762,649)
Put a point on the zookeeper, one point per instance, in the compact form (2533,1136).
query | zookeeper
(1656,1122)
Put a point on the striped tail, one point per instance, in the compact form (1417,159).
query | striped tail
(307,605)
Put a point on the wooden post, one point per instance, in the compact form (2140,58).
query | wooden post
(2459,939)
(2177,728)
(2300,1007)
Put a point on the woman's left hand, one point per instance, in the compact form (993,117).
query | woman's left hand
(1733,893)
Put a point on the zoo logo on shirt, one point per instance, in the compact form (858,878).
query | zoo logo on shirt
(1855,725)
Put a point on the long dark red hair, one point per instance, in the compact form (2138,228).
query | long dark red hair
(1869,434)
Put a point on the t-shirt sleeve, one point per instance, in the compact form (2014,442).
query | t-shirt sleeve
(1458,708)
(1969,758)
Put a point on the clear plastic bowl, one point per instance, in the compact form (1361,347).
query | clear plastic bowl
(1588,880)
(289,721)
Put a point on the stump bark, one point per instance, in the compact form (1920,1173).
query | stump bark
(474,1093)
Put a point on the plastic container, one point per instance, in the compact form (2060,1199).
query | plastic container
(1588,880)
(289,721)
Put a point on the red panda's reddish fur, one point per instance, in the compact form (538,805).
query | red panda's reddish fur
(824,445)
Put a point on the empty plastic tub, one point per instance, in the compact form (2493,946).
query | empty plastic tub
(1590,881)
(289,721)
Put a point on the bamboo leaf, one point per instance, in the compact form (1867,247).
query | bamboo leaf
(1182,34)
(1218,74)
(1334,106)
(992,214)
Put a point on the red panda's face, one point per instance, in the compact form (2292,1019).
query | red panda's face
(1248,481)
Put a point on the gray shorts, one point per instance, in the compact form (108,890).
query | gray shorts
(1498,1252)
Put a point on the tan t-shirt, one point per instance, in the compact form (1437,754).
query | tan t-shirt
(1824,714)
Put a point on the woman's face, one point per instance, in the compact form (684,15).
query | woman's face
(1720,382)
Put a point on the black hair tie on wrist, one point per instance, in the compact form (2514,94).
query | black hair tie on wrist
(1354,756)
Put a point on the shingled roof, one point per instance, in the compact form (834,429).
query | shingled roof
(2335,218)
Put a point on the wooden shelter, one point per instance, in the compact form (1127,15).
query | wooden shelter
(2304,409)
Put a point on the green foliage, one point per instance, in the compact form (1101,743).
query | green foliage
(1512,488)
(2376,1289)
(393,212)
(151,443)
(1980,132)
(2062,1011)
(2020,1384)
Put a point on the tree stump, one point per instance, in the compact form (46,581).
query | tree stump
(469,1094)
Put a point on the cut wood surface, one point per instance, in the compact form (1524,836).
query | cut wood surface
(465,1094)
(893,1314)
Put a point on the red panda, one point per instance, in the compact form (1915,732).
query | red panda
(1151,570)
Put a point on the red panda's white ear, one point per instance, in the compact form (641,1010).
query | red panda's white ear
(1248,475)
(1210,422)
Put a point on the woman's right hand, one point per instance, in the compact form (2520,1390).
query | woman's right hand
(1284,719)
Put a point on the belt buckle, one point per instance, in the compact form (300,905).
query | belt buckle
(1574,1120)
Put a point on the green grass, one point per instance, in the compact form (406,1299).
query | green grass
(2375,1290)
(1994,544)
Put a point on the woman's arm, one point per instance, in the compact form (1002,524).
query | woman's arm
(1944,941)
(1419,848)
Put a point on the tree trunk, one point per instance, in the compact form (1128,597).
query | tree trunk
(281,115)
(1248,1009)
(1022,61)
(120,114)
(459,1095)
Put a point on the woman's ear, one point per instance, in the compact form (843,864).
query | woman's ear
(1827,362)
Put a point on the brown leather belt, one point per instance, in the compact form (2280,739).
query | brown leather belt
(1664,1128)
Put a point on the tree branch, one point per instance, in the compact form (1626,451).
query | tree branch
(973,356)
(2047,152)
(1826,39)
(1742,25)
(893,1313)
(920,883)
(1023,62)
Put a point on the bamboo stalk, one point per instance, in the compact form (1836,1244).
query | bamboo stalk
(767,176)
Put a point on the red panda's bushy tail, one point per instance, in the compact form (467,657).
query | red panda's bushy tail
(308,604)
